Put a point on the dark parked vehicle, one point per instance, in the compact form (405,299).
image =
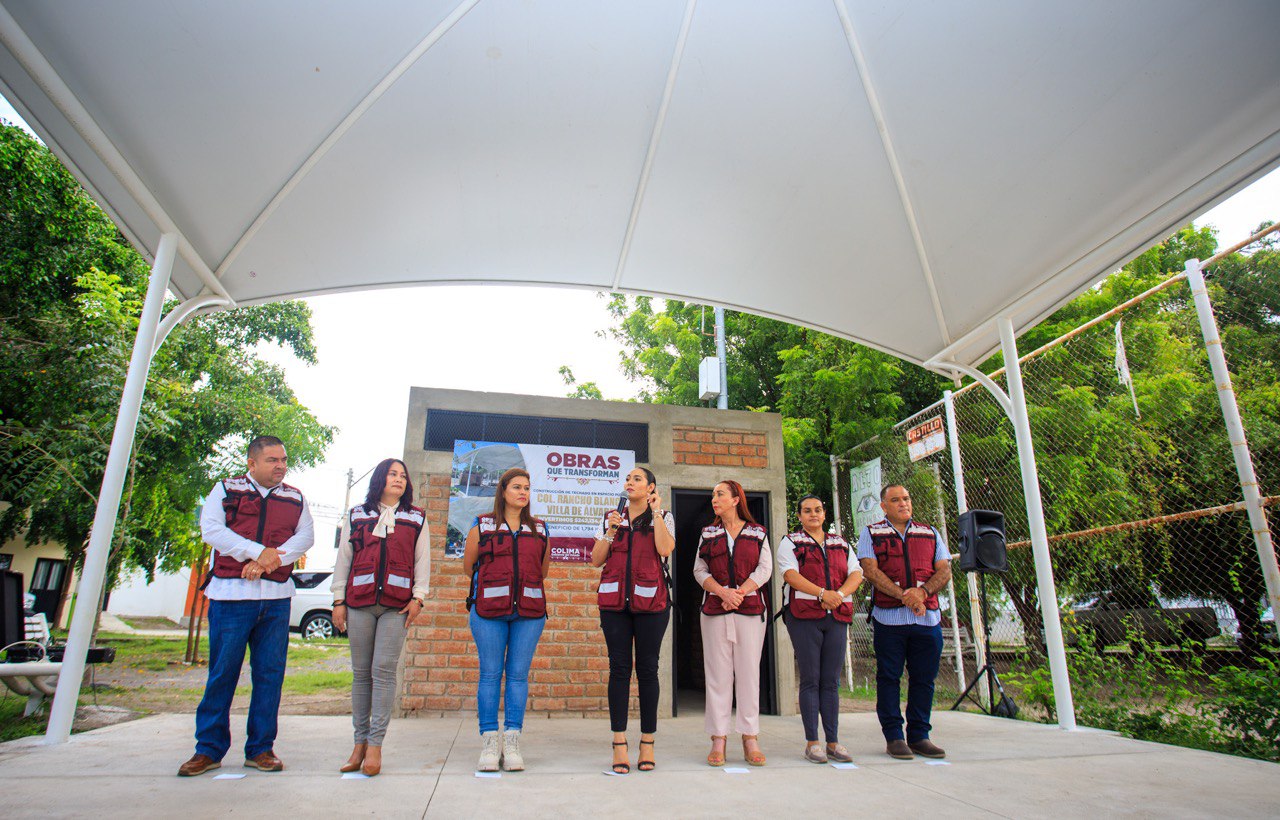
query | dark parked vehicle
(1112,617)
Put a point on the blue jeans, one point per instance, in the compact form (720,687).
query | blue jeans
(263,628)
(920,648)
(504,644)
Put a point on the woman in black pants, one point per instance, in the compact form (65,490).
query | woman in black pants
(633,546)
(819,569)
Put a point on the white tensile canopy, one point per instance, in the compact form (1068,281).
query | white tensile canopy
(926,178)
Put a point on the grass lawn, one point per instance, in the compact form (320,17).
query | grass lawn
(149,676)
(12,724)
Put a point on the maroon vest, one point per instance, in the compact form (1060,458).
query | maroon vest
(269,521)
(827,568)
(634,577)
(732,573)
(906,565)
(382,568)
(509,570)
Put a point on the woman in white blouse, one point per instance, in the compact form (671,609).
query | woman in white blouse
(733,568)
(380,582)
(820,569)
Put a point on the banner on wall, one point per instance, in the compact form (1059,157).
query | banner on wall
(864,483)
(572,490)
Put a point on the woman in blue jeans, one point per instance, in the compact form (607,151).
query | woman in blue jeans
(507,557)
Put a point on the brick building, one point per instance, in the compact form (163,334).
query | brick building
(690,449)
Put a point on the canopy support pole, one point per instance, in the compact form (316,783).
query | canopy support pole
(1048,593)
(183,312)
(1235,430)
(971,578)
(93,573)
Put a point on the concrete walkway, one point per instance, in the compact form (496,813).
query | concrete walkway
(996,768)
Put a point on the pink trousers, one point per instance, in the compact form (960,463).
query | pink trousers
(731,649)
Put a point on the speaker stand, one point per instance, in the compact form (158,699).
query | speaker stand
(988,670)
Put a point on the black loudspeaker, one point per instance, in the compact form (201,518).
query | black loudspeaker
(12,623)
(982,544)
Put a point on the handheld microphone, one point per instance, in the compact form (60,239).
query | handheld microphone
(622,505)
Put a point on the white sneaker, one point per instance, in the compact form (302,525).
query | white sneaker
(512,760)
(491,753)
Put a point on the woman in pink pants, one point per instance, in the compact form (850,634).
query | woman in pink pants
(733,567)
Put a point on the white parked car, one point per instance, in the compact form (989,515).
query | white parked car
(311,612)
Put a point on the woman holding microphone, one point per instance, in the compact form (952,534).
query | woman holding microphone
(380,581)
(508,555)
(733,566)
(822,576)
(632,546)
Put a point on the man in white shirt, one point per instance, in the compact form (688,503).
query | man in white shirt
(258,526)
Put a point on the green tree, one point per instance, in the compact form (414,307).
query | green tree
(1101,464)
(831,393)
(71,290)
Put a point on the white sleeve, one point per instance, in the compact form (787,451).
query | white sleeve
(787,557)
(303,538)
(216,533)
(701,572)
(422,562)
(764,568)
(342,564)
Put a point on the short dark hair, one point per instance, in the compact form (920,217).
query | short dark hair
(805,498)
(886,488)
(261,443)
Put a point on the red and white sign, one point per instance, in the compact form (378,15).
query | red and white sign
(926,438)
(573,489)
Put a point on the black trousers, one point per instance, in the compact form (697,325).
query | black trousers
(644,632)
(819,646)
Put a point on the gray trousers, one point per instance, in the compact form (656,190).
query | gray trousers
(377,636)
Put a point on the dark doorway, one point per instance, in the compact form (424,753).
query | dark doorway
(692,511)
(47,581)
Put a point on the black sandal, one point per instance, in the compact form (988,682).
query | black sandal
(646,765)
(621,768)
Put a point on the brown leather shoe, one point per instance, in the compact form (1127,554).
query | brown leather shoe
(927,748)
(899,750)
(198,764)
(264,762)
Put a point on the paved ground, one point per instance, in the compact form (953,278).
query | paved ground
(997,768)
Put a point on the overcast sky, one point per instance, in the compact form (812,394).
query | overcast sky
(380,343)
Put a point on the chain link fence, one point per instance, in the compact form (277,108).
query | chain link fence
(1160,582)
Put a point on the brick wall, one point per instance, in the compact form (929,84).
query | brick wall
(720,447)
(570,669)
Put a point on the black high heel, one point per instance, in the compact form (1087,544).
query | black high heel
(621,768)
(646,765)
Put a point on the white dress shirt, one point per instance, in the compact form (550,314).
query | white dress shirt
(216,533)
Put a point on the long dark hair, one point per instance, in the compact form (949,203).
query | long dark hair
(645,519)
(378,483)
(740,496)
(500,501)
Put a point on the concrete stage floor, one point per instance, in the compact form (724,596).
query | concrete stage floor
(996,767)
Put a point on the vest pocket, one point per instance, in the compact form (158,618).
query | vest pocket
(532,604)
(609,594)
(646,595)
(493,598)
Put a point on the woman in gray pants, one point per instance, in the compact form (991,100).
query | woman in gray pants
(380,582)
